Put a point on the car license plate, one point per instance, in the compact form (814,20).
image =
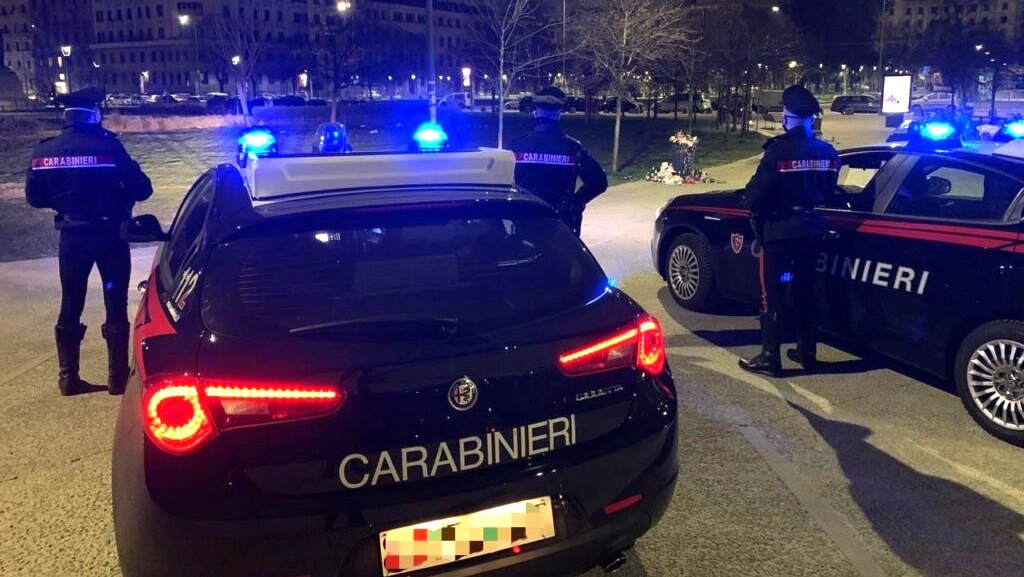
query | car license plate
(453,539)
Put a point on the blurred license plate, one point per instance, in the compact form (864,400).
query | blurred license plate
(449,540)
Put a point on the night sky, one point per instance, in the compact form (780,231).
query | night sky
(838,31)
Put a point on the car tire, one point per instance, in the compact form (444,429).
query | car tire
(689,274)
(848,111)
(992,353)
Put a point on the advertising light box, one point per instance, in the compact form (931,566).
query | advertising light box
(896,95)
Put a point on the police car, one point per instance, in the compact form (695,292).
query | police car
(924,261)
(384,364)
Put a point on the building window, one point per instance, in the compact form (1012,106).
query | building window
(129,13)
(420,19)
(152,56)
(280,16)
(1002,19)
(934,10)
(142,57)
(149,33)
(120,35)
(148,14)
(159,10)
(131,57)
(119,15)
(99,16)
(266,15)
(160,33)
(122,57)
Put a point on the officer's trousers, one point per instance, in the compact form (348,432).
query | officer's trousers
(788,264)
(79,250)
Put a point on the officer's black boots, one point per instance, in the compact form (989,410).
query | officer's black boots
(69,342)
(117,357)
(803,355)
(768,362)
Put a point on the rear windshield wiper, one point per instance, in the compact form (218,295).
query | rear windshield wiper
(444,325)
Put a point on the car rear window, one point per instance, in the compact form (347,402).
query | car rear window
(489,265)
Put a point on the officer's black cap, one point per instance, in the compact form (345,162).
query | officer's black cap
(550,98)
(800,101)
(86,98)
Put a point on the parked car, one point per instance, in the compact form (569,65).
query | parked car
(627,106)
(681,102)
(290,100)
(930,102)
(854,103)
(572,104)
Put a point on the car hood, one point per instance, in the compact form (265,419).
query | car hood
(732,198)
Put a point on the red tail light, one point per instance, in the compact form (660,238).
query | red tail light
(183,413)
(642,346)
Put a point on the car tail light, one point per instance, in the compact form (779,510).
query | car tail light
(642,346)
(183,413)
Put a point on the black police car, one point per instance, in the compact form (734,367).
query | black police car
(924,262)
(376,364)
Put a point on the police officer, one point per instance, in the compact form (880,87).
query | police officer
(798,171)
(548,162)
(86,176)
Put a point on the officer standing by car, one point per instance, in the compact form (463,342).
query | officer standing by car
(798,171)
(548,162)
(86,176)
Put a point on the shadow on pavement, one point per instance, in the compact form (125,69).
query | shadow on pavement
(937,526)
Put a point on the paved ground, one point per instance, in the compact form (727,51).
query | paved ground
(863,471)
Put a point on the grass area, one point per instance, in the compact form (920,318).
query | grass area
(173,160)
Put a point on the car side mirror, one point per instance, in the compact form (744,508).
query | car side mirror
(143,228)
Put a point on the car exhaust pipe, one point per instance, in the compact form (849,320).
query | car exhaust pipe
(613,562)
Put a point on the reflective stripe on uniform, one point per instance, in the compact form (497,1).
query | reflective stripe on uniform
(807,166)
(546,158)
(51,162)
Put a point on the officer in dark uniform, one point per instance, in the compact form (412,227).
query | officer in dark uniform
(798,171)
(88,178)
(548,162)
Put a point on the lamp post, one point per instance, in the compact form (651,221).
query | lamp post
(183,20)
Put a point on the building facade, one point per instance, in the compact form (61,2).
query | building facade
(166,46)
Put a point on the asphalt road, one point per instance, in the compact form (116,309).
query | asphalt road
(863,470)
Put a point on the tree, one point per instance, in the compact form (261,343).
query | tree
(235,42)
(512,38)
(622,38)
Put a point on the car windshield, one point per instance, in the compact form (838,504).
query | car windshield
(476,268)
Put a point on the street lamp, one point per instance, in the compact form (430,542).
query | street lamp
(62,63)
(143,78)
(775,9)
(344,6)
(235,60)
(183,20)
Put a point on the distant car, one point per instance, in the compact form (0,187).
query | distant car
(462,100)
(931,102)
(854,103)
(290,100)
(681,102)
(224,104)
(572,104)
(627,106)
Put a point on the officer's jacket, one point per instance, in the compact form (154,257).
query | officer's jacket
(548,162)
(797,173)
(87,176)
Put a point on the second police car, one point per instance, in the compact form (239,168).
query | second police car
(384,364)
(924,261)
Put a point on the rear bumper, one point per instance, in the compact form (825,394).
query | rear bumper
(152,541)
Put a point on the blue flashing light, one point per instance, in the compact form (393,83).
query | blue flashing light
(258,141)
(1014,130)
(938,130)
(786,277)
(430,136)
